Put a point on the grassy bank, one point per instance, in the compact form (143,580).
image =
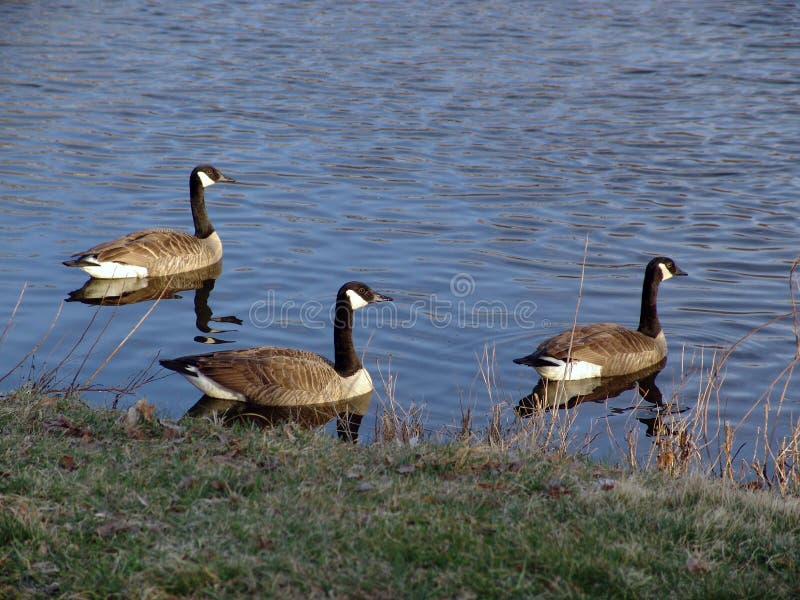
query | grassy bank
(98,503)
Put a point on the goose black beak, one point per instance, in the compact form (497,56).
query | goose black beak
(381,298)
(679,271)
(225,179)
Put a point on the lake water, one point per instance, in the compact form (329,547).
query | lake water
(454,155)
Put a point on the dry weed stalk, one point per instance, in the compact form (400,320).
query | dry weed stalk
(119,346)
(13,312)
(487,366)
(578,300)
(395,423)
(727,452)
(38,344)
(546,427)
(465,430)
(787,462)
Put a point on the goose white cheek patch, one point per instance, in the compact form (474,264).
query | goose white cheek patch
(205,179)
(356,301)
(665,274)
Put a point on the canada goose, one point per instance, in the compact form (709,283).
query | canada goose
(606,349)
(284,376)
(158,252)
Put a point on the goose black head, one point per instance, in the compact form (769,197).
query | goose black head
(360,294)
(208,175)
(665,266)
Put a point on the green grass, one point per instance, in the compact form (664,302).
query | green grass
(90,508)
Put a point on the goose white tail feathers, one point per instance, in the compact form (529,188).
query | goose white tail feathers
(608,349)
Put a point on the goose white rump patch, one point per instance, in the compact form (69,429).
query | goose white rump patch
(113,270)
(210,387)
(577,369)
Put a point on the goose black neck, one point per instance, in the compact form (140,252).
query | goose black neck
(202,225)
(648,317)
(202,311)
(346,360)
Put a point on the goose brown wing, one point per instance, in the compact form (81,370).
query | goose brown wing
(599,343)
(273,376)
(141,248)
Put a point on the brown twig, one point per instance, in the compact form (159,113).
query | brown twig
(14,311)
(121,344)
(577,305)
(795,312)
(78,342)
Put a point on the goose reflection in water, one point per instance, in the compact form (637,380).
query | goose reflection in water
(550,395)
(348,414)
(119,292)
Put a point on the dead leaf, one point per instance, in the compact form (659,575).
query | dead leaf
(492,485)
(272,463)
(111,528)
(556,489)
(45,568)
(221,485)
(605,485)
(364,486)
(69,428)
(234,452)
(696,564)
(135,433)
(67,462)
(493,466)
(60,422)
(171,430)
(148,411)
(556,584)
(186,482)
(406,469)
(263,543)
(665,460)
